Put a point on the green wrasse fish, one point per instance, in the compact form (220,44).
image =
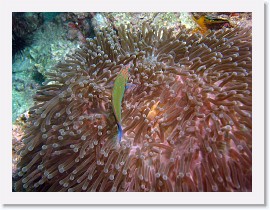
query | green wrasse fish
(118,91)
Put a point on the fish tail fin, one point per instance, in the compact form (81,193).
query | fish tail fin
(129,86)
(120,132)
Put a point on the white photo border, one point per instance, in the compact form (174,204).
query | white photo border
(257,196)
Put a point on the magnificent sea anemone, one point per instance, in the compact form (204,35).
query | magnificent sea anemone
(186,117)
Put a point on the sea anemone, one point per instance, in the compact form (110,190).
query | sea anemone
(186,117)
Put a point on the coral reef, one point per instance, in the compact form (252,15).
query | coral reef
(48,46)
(186,120)
(79,25)
(158,19)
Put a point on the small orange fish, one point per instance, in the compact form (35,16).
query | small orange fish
(212,23)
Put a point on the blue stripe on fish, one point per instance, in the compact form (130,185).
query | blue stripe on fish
(120,132)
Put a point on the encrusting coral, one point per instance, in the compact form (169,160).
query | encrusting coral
(186,117)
